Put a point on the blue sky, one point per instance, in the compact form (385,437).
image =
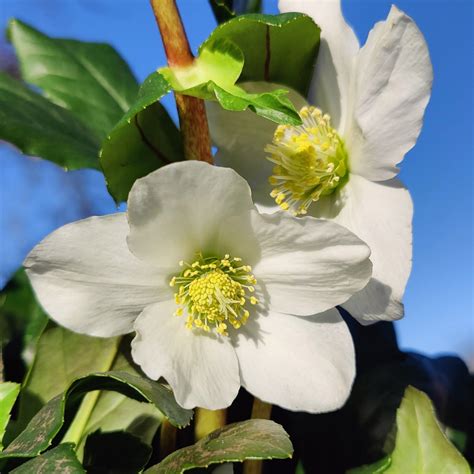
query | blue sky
(37,197)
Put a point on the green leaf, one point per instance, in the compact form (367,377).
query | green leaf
(89,79)
(117,453)
(213,75)
(376,468)
(420,444)
(143,140)
(60,460)
(22,317)
(116,412)
(8,393)
(46,424)
(421,447)
(40,128)
(277,48)
(251,439)
(61,357)
(226,9)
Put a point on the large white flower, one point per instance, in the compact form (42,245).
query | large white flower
(366,113)
(219,295)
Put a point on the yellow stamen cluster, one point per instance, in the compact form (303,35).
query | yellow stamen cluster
(310,161)
(214,293)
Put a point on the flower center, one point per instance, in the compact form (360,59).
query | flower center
(214,292)
(310,161)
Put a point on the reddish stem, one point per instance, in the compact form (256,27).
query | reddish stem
(191,111)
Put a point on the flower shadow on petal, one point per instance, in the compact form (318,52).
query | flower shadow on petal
(329,70)
(252,329)
(377,295)
(329,207)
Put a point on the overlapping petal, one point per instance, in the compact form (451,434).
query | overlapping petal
(302,364)
(241,138)
(392,86)
(88,281)
(202,369)
(308,265)
(381,215)
(177,211)
(330,88)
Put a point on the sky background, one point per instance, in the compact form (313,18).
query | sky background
(37,197)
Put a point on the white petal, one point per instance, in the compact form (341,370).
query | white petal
(88,281)
(381,215)
(308,265)
(202,369)
(177,211)
(392,89)
(241,138)
(330,88)
(300,364)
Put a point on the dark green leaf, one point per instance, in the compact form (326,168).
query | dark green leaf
(89,79)
(40,128)
(213,76)
(60,460)
(45,425)
(251,439)
(144,140)
(22,316)
(226,9)
(116,412)
(277,48)
(115,453)
(420,444)
(376,468)
(8,393)
(72,355)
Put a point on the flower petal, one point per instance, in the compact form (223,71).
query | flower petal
(392,88)
(381,215)
(330,88)
(88,281)
(300,364)
(177,210)
(201,368)
(241,138)
(308,265)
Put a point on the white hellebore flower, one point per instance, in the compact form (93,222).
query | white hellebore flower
(366,112)
(219,295)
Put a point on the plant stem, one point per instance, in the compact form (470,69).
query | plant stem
(261,410)
(168,434)
(207,421)
(76,430)
(191,111)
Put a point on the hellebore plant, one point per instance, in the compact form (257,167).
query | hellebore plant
(365,113)
(218,294)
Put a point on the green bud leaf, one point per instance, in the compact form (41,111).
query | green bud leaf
(277,48)
(213,75)
(142,141)
(251,439)
(226,9)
